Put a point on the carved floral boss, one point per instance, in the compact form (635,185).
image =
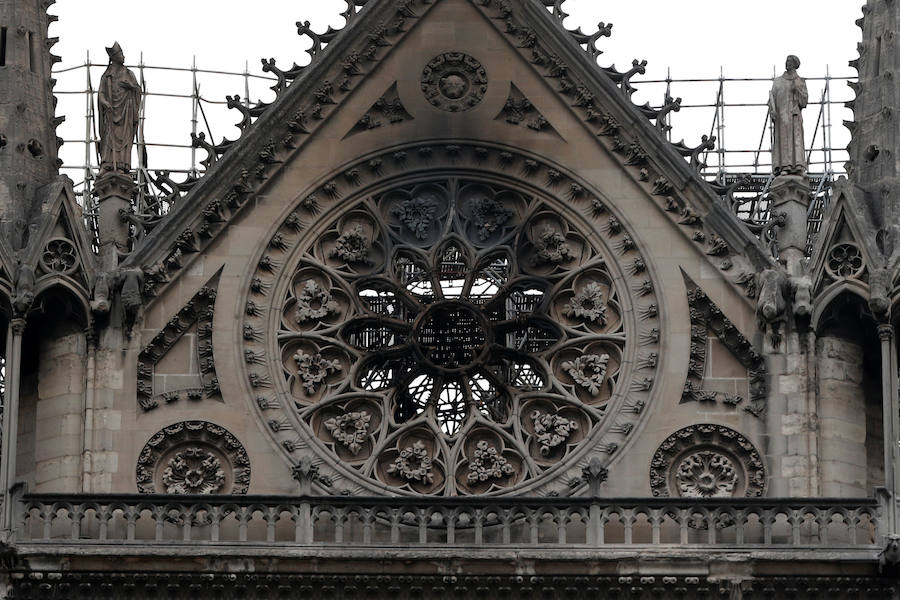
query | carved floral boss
(448,337)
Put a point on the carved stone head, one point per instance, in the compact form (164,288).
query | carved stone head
(792,63)
(116,55)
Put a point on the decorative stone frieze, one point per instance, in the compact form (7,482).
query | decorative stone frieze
(193,471)
(413,464)
(588,371)
(552,430)
(588,305)
(518,110)
(350,429)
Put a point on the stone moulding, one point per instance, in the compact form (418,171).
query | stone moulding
(706,316)
(250,161)
(401,586)
(199,310)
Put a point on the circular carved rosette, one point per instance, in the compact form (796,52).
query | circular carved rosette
(707,461)
(59,256)
(315,301)
(454,82)
(193,457)
(844,261)
(450,334)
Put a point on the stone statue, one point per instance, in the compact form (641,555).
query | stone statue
(120,99)
(787,99)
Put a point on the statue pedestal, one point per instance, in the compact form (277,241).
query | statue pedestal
(789,195)
(114,193)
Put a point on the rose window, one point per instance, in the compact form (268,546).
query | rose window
(450,337)
(460,343)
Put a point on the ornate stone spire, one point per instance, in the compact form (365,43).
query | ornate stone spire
(28,142)
(875,146)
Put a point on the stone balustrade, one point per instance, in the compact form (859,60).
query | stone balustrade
(329,522)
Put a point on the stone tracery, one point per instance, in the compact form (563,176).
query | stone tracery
(454,314)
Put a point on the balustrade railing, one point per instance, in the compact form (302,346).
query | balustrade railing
(455,522)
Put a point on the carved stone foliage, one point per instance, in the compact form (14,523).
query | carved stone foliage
(454,82)
(193,457)
(193,470)
(707,461)
(198,312)
(387,110)
(453,334)
(706,317)
(518,110)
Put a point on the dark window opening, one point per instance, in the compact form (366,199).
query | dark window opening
(32,52)
(877,59)
(2,46)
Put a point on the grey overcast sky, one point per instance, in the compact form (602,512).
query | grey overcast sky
(693,38)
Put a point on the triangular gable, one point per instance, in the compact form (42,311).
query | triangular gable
(60,247)
(843,224)
(604,107)
(286,124)
(603,98)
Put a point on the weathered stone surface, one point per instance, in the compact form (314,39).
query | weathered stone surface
(454,306)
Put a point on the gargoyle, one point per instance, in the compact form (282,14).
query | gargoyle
(24,288)
(879,293)
(802,287)
(889,557)
(771,304)
(132,280)
(100,302)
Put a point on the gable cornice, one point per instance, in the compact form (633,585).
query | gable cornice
(559,41)
(255,157)
(237,169)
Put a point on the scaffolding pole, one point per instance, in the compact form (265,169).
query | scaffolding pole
(750,155)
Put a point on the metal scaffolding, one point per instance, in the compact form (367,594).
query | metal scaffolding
(736,114)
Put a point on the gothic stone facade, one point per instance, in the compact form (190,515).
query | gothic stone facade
(451,318)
